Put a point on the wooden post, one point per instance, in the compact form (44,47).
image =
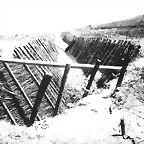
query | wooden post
(92,77)
(124,67)
(19,86)
(42,88)
(122,72)
(70,46)
(122,124)
(64,78)
(33,76)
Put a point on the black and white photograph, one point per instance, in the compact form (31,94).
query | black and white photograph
(71,71)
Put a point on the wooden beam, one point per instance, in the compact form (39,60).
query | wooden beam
(19,86)
(124,67)
(42,71)
(8,112)
(42,88)
(58,64)
(64,78)
(92,77)
(33,76)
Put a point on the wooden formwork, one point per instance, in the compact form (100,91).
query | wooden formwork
(86,50)
(109,52)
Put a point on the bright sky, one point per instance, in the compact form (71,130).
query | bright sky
(43,16)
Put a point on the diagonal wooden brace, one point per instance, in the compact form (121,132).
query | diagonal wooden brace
(96,67)
(42,88)
(64,78)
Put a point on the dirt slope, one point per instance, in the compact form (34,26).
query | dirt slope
(129,28)
(133,22)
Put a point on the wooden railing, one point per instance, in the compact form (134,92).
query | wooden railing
(57,64)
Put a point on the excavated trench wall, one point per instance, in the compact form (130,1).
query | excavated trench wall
(109,52)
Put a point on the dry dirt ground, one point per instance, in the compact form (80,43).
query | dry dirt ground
(90,121)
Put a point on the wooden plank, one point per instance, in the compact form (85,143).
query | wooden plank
(16,104)
(51,59)
(8,112)
(77,44)
(30,56)
(120,55)
(20,88)
(95,51)
(94,48)
(125,64)
(42,88)
(70,46)
(57,64)
(110,45)
(41,69)
(101,48)
(116,54)
(92,77)
(64,78)
(111,51)
(33,76)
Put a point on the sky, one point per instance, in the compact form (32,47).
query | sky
(55,16)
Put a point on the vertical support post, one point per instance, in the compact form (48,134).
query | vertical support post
(64,78)
(92,77)
(122,124)
(42,88)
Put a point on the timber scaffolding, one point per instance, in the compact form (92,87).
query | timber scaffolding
(109,52)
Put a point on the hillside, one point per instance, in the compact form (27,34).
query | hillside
(130,28)
(133,22)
